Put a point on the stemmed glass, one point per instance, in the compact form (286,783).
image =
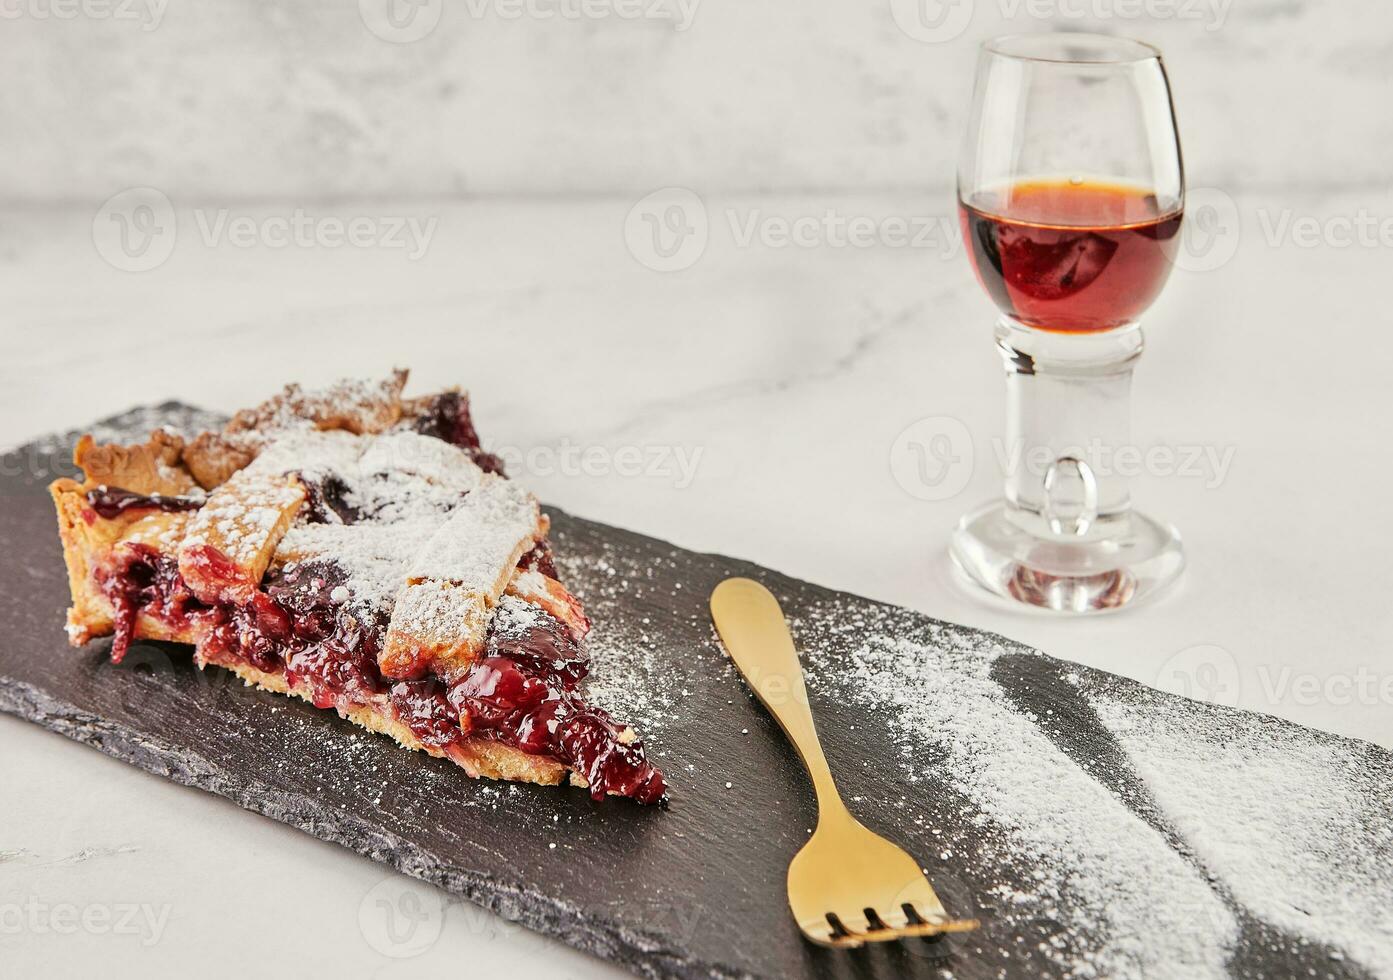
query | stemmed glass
(1070,193)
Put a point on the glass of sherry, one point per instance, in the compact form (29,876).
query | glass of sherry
(1070,194)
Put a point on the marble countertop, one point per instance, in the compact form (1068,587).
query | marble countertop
(756,400)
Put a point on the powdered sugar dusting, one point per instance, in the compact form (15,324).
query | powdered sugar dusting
(426,459)
(1319,866)
(313,453)
(634,676)
(482,540)
(241,516)
(402,491)
(514,616)
(1099,868)
(373,556)
(441,609)
(356,404)
(1284,820)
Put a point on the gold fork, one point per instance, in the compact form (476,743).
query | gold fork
(847,886)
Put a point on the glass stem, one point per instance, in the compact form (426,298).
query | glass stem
(1068,430)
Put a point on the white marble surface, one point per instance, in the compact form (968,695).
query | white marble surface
(248,100)
(789,372)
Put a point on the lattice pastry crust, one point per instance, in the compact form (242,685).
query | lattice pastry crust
(360,552)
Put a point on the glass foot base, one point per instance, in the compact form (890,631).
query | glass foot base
(1067,576)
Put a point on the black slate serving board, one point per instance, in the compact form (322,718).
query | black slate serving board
(694,889)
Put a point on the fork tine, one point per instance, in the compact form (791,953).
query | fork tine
(908,931)
(850,931)
(857,923)
(836,931)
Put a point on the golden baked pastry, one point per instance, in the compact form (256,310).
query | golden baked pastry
(362,552)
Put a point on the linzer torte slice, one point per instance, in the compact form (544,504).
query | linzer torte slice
(363,552)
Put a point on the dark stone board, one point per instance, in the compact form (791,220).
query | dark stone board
(692,889)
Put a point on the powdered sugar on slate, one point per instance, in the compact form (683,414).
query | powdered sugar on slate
(1297,828)
(634,676)
(1098,868)
(1317,866)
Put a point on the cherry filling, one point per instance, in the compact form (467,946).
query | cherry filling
(422,706)
(539,559)
(522,692)
(145,581)
(329,646)
(326,501)
(301,622)
(447,417)
(112,502)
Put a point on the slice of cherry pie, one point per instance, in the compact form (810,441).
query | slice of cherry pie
(363,552)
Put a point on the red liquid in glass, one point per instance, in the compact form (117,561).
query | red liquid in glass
(1070,257)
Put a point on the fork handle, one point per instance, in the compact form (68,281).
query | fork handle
(756,636)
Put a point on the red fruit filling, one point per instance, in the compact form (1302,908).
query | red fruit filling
(145,581)
(447,417)
(303,623)
(112,502)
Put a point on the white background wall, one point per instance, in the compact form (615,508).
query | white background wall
(238,100)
